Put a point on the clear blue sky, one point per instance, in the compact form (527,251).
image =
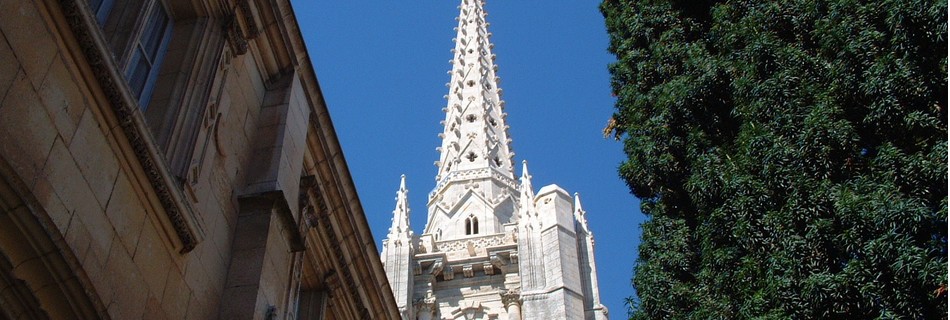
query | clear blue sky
(382,67)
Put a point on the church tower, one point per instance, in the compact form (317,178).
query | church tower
(492,248)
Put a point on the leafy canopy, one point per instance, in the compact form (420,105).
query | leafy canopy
(791,156)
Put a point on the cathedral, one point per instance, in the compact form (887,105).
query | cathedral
(492,247)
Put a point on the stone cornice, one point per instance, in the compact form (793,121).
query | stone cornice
(179,212)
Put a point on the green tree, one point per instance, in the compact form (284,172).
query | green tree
(791,156)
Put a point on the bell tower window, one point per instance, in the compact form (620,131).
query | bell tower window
(471,225)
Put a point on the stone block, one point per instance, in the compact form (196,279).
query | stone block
(63,99)
(127,283)
(9,68)
(263,171)
(252,230)
(63,174)
(97,273)
(221,236)
(239,303)
(177,296)
(204,289)
(26,132)
(153,310)
(126,213)
(94,156)
(46,196)
(100,230)
(274,114)
(28,36)
(152,260)
(245,269)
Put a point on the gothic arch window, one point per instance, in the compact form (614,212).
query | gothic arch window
(471,225)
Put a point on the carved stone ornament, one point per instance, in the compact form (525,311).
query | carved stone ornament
(92,43)
(512,296)
(236,38)
(425,305)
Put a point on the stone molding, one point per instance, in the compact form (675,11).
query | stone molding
(467,175)
(92,43)
(480,242)
(324,224)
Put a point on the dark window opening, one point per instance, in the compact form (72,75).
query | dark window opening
(471,225)
(147,55)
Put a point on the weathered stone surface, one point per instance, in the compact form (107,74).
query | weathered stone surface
(94,157)
(26,150)
(143,203)
(63,99)
(29,37)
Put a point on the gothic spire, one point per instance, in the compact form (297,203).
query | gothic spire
(527,196)
(475,135)
(400,224)
(579,214)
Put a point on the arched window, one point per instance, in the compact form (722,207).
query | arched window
(471,225)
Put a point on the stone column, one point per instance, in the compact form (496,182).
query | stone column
(512,301)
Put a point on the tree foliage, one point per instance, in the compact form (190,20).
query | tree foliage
(791,156)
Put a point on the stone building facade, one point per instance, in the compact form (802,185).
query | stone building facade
(173,159)
(492,248)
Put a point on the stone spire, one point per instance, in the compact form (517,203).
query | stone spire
(593,308)
(527,213)
(486,230)
(579,214)
(400,223)
(398,248)
(476,181)
(531,265)
(475,135)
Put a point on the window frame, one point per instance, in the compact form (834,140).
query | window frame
(101,9)
(137,50)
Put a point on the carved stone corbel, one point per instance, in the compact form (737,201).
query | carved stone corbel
(468,271)
(236,38)
(488,268)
